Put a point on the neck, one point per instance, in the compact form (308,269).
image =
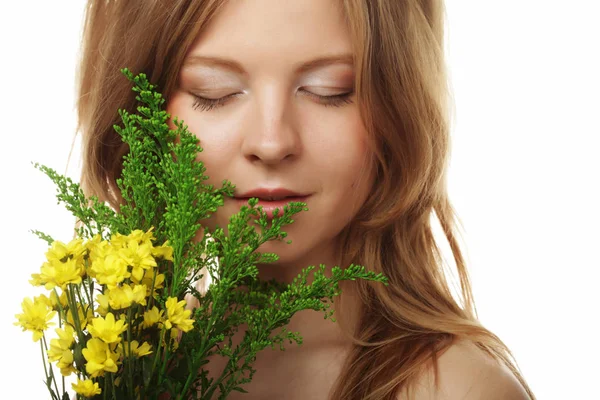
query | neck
(314,329)
(318,332)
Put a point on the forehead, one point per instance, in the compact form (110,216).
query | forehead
(268,31)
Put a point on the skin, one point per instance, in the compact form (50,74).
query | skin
(275,132)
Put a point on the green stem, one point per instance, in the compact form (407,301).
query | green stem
(87,224)
(75,312)
(151,297)
(51,369)
(61,312)
(85,312)
(129,361)
(176,271)
(88,294)
(46,370)
(112,386)
(165,360)
(105,387)
(193,373)
(157,356)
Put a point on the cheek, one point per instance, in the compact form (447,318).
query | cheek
(215,143)
(348,162)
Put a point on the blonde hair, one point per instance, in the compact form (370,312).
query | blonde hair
(402,91)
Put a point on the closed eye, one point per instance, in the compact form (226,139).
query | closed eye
(207,104)
(336,100)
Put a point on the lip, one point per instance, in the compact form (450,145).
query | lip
(262,193)
(269,206)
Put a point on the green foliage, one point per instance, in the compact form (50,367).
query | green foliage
(162,184)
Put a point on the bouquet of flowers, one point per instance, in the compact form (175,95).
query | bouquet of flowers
(119,291)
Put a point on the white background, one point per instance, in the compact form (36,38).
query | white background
(524,175)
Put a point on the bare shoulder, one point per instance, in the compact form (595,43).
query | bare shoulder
(467,373)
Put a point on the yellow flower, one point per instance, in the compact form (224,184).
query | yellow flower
(152,317)
(118,241)
(100,358)
(84,317)
(175,338)
(55,300)
(139,294)
(60,252)
(110,270)
(177,315)
(120,297)
(139,257)
(165,251)
(57,273)
(142,237)
(142,350)
(97,247)
(36,316)
(60,350)
(86,388)
(65,363)
(136,349)
(138,236)
(124,296)
(45,299)
(102,300)
(107,329)
(37,280)
(149,279)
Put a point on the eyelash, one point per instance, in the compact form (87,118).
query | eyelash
(337,100)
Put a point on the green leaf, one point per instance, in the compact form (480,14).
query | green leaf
(162,183)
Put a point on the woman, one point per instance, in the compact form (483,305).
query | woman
(343,103)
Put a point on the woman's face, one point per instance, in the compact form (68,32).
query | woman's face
(286,117)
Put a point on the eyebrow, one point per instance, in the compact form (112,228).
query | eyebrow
(234,66)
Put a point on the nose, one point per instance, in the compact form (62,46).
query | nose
(272,132)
